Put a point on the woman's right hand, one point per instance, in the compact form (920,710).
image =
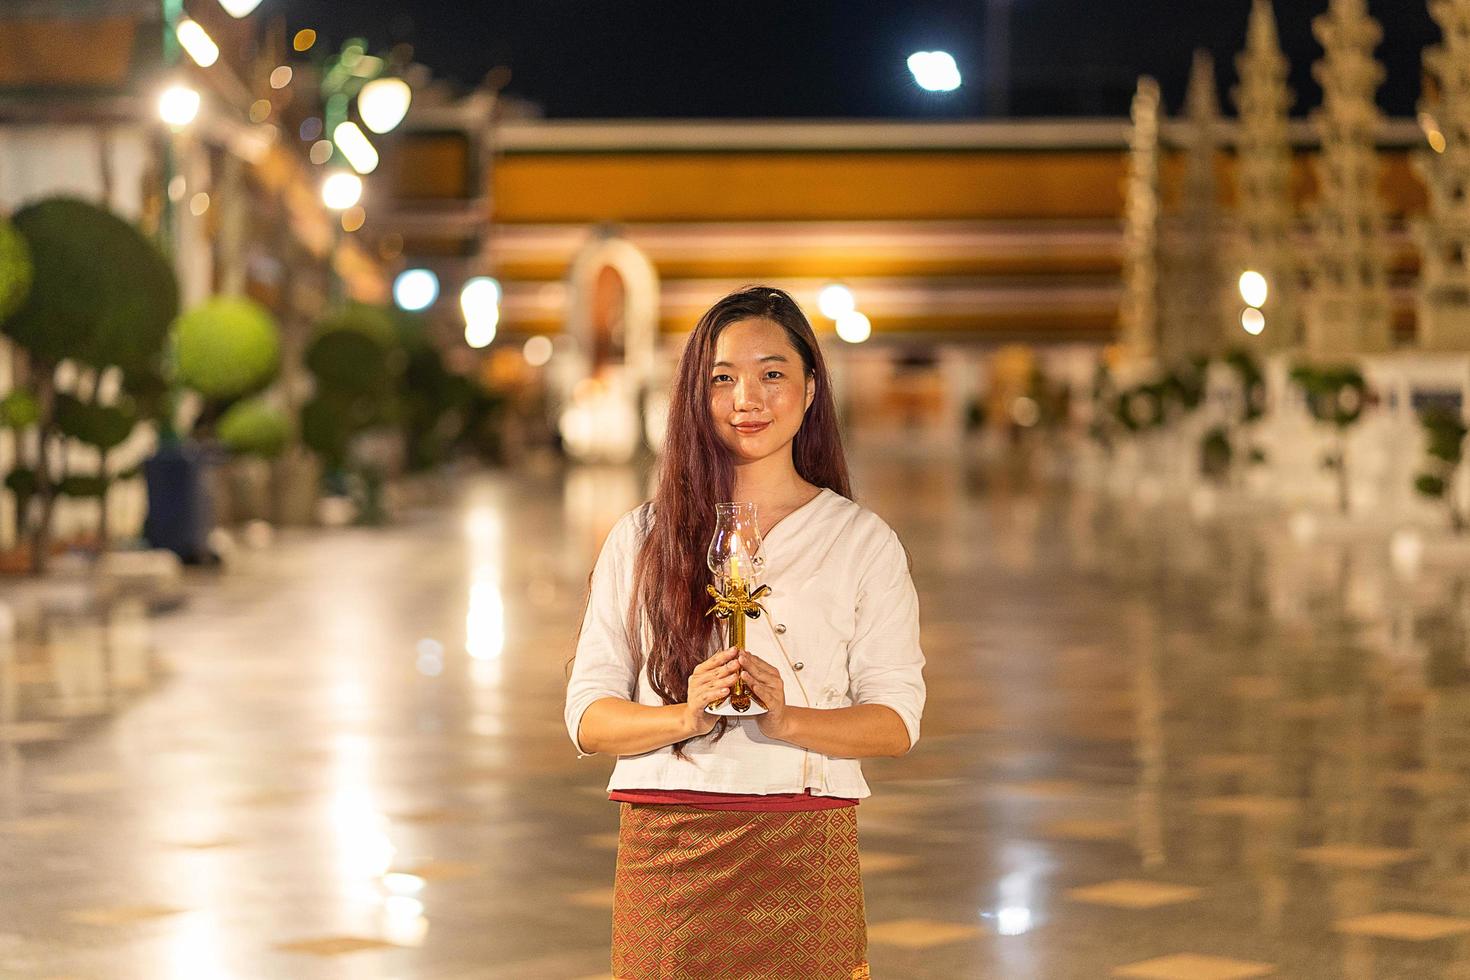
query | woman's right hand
(710,684)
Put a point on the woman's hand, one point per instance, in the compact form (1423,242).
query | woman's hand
(709,684)
(766,684)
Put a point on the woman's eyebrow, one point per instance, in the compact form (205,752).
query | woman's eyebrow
(769,357)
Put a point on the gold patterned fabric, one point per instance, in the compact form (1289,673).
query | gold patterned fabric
(729,895)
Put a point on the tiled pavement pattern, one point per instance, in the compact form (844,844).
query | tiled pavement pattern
(1153,748)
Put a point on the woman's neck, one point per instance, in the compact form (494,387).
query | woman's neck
(771,483)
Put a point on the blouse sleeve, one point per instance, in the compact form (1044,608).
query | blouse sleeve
(884,662)
(603,667)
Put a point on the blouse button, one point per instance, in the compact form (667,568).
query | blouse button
(780,627)
(798,665)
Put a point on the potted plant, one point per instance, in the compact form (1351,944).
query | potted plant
(101,298)
(356,361)
(224,350)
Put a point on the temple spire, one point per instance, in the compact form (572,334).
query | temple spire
(1348,311)
(1263,184)
(1139,314)
(1444,232)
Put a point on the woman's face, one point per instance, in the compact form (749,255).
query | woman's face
(758,390)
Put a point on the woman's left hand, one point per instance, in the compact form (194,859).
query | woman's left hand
(765,683)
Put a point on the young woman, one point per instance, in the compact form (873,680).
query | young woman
(737,850)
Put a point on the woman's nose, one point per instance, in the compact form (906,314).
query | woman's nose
(747,395)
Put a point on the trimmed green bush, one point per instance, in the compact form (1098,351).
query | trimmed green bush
(19,410)
(16,269)
(1445,431)
(351,361)
(326,429)
(1252,384)
(253,428)
(1334,394)
(227,347)
(102,426)
(371,321)
(101,292)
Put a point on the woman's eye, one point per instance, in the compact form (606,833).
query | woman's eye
(773,374)
(720,377)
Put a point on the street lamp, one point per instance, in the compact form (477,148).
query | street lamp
(853,327)
(355,146)
(415,289)
(1253,320)
(480,299)
(479,333)
(480,302)
(835,299)
(383,102)
(1253,288)
(178,105)
(341,190)
(239,9)
(196,41)
(935,71)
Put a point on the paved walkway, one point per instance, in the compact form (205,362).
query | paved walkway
(1152,749)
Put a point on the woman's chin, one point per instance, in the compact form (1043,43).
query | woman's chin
(753,450)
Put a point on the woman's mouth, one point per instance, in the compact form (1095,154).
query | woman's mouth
(751,428)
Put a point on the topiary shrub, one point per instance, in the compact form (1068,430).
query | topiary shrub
(253,428)
(102,295)
(16,269)
(349,361)
(227,347)
(101,426)
(101,292)
(19,410)
(1445,430)
(1185,385)
(371,321)
(1252,384)
(1336,395)
(1215,454)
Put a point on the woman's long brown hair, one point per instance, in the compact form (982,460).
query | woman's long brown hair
(670,574)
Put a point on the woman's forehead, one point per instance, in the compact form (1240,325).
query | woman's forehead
(753,340)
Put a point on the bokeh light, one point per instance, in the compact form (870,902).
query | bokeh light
(415,289)
(854,327)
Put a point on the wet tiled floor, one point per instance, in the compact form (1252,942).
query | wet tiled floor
(1153,748)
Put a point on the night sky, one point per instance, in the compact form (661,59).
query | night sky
(825,58)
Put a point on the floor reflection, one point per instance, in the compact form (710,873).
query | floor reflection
(1161,742)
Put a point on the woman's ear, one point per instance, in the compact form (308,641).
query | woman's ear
(811,391)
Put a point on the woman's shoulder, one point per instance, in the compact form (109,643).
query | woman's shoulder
(633,526)
(867,531)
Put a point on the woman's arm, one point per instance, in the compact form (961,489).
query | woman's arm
(856,732)
(622,727)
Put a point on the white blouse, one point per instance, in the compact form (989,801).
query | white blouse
(841,625)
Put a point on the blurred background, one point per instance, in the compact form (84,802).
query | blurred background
(334,338)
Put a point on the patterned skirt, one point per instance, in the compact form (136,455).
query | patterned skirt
(720,895)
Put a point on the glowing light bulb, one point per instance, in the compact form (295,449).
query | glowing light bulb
(853,327)
(1253,320)
(835,299)
(178,105)
(196,41)
(1253,288)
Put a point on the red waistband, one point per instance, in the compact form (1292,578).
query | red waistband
(765,803)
